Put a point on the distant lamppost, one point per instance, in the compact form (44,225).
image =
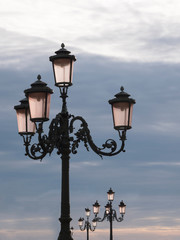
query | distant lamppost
(109,213)
(34,110)
(87,225)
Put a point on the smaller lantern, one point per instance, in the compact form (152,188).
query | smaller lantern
(80,221)
(122,108)
(25,126)
(63,67)
(122,208)
(96,207)
(107,208)
(110,194)
(39,97)
(88,212)
(94,223)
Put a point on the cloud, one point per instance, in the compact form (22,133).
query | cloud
(165,164)
(126,30)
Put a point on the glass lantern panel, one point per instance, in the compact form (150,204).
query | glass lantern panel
(107,210)
(21,120)
(63,71)
(80,223)
(48,104)
(122,210)
(88,213)
(94,223)
(37,105)
(121,114)
(95,210)
(111,196)
(30,125)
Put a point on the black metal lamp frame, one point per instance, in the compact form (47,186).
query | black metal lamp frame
(60,137)
(110,216)
(87,226)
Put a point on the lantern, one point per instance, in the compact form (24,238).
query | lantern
(122,208)
(39,96)
(88,212)
(122,108)
(94,223)
(107,208)
(25,125)
(63,67)
(80,222)
(110,194)
(96,207)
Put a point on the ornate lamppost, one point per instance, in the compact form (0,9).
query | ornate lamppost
(34,111)
(109,213)
(87,225)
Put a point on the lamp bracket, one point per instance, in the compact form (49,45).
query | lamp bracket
(83,134)
(60,129)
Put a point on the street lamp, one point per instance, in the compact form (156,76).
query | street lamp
(32,114)
(109,213)
(87,225)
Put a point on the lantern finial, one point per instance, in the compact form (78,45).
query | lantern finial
(39,77)
(122,89)
(62,45)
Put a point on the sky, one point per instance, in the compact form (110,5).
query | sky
(130,43)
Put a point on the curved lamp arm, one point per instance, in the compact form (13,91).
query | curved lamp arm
(98,219)
(120,219)
(83,134)
(35,151)
(38,150)
(83,228)
(91,228)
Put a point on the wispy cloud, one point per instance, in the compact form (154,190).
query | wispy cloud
(148,34)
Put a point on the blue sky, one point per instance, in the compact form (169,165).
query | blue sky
(131,43)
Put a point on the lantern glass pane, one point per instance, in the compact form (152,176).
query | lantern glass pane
(48,105)
(30,125)
(88,213)
(63,70)
(80,223)
(107,210)
(121,115)
(21,120)
(95,210)
(111,196)
(122,209)
(24,125)
(37,104)
(94,223)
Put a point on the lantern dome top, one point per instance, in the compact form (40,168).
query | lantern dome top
(87,210)
(38,86)
(24,104)
(122,97)
(62,50)
(96,204)
(110,191)
(62,53)
(122,204)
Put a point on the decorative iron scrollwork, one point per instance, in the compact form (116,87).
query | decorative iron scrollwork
(60,129)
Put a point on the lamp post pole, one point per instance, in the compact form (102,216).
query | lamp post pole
(109,213)
(111,222)
(65,218)
(34,110)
